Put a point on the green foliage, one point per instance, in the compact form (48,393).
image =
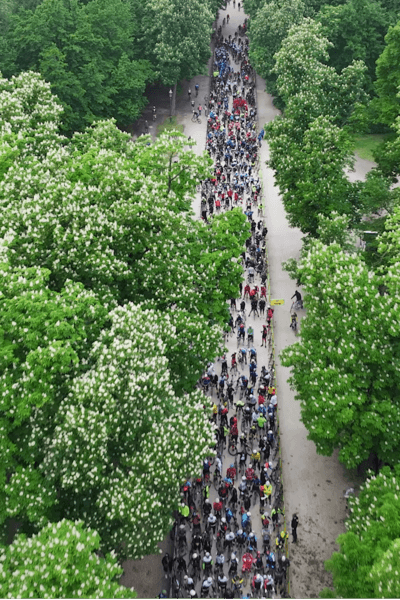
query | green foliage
(251,7)
(60,562)
(346,377)
(357,29)
(368,561)
(113,297)
(120,443)
(309,148)
(268,27)
(177,37)
(388,78)
(88,54)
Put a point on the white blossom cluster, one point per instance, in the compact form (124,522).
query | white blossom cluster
(59,562)
(368,562)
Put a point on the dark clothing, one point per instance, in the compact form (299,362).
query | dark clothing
(294,523)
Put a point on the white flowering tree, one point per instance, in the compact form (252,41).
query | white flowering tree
(124,440)
(45,342)
(367,565)
(61,561)
(345,368)
(103,427)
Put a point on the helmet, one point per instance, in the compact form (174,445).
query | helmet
(254,450)
(208,501)
(243,478)
(207,554)
(249,514)
(283,558)
(185,577)
(231,466)
(181,526)
(270,431)
(240,531)
(192,592)
(209,579)
(194,555)
(223,520)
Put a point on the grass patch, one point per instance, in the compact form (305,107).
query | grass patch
(364,145)
(169,125)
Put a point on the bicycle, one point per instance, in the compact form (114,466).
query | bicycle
(196,119)
(296,305)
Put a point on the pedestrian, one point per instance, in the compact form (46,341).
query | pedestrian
(192,103)
(189,93)
(199,109)
(294,524)
(167,564)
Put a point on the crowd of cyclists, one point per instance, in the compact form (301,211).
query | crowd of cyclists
(231,532)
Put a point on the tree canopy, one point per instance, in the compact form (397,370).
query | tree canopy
(309,147)
(59,562)
(368,562)
(268,28)
(356,29)
(346,376)
(113,301)
(177,37)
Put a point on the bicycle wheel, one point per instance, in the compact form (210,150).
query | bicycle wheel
(193,119)
(199,120)
(232,449)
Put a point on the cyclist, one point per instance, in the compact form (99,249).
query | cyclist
(195,115)
(299,300)
(293,321)
(196,87)
(241,332)
(250,335)
(253,354)
(244,356)
(231,472)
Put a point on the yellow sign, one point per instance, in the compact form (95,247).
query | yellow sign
(275,302)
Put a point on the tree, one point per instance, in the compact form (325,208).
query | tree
(87,52)
(388,78)
(134,293)
(367,564)
(357,29)
(310,171)
(118,446)
(60,562)
(268,27)
(346,377)
(309,147)
(177,38)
